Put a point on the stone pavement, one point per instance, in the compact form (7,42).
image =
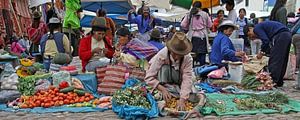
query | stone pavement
(109,115)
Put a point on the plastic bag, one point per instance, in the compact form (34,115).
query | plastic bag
(8,70)
(203,70)
(217,74)
(42,84)
(133,112)
(71,19)
(9,95)
(10,83)
(61,76)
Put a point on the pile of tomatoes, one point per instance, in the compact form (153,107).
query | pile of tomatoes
(52,97)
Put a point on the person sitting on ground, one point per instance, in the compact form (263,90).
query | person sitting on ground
(95,46)
(172,68)
(276,41)
(130,50)
(155,39)
(222,48)
(54,42)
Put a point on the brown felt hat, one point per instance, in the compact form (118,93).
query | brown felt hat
(99,24)
(155,33)
(180,44)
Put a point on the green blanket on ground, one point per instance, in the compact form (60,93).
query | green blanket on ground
(226,106)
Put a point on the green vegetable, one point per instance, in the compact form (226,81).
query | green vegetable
(80,92)
(250,82)
(66,90)
(27,84)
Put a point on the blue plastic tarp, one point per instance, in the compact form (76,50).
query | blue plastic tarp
(117,18)
(89,82)
(3,107)
(111,7)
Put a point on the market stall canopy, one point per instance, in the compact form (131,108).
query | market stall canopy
(111,6)
(117,18)
(34,3)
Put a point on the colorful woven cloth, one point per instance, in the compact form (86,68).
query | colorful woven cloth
(140,49)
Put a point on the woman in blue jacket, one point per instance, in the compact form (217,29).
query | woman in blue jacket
(222,48)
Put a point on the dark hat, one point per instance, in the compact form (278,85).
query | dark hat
(155,33)
(180,44)
(37,14)
(99,24)
(123,31)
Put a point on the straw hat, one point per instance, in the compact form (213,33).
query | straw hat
(180,44)
(228,23)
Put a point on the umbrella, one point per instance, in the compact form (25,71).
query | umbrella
(117,18)
(111,6)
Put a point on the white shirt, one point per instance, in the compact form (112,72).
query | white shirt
(95,43)
(232,15)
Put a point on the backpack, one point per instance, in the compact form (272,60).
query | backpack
(58,38)
(296,28)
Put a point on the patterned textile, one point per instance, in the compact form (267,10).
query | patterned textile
(35,35)
(140,49)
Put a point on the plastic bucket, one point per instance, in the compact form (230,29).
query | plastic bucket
(236,71)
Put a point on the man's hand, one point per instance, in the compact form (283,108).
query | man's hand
(180,104)
(259,55)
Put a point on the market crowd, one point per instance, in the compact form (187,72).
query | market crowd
(168,57)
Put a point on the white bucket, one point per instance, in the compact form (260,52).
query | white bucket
(238,44)
(236,71)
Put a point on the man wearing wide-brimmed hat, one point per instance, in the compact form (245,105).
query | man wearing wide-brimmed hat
(95,46)
(222,48)
(172,66)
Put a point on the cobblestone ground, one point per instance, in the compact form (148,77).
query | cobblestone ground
(109,115)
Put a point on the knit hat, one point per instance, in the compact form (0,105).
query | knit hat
(123,31)
(99,24)
(37,14)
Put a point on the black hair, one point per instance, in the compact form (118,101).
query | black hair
(252,15)
(206,10)
(52,27)
(219,11)
(291,14)
(155,39)
(247,28)
(195,10)
(101,12)
(224,27)
(243,9)
(230,2)
(278,4)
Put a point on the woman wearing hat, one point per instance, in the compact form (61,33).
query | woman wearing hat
(54,42)
(222,48)
(145,22)
(36,31)
(131,50)
(95,46)
(172,66)
(276,41)
(155,39)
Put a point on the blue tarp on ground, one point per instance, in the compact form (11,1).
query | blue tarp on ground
(117,18)
(3,107)
(111,7)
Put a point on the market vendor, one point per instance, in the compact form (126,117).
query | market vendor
(276,41)
(95,46)
(145,22)
(222,48)
(172,66)
(130,50)
(54,42)
(36,31)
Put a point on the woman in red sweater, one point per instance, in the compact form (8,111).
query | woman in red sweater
(95,46)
